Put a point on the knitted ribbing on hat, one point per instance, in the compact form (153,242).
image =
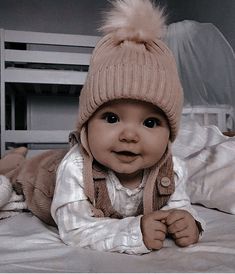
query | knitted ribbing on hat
(131,62)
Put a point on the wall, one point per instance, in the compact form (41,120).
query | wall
(61,16)
(219,12)
(84,16)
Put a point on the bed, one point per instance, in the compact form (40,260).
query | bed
(29,245)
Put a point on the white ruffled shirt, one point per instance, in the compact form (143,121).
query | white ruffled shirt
(76,223)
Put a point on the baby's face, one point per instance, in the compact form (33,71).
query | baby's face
(128,136)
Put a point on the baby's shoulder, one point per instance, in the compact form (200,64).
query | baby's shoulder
(180,167)
(71,168)
(73,157)
(178,162)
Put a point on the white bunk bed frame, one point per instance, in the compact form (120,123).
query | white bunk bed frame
(218,115)
(22,75)
(222,114)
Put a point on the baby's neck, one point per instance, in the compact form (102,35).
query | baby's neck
(130,181)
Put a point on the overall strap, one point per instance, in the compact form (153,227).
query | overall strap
(158,189)
(165,184)
(160,181)
(103,202)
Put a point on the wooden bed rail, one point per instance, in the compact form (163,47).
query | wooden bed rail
(18,66)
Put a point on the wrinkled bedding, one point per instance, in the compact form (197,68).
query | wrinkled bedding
(28,245)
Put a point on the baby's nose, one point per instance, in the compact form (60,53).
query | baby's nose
(129,134)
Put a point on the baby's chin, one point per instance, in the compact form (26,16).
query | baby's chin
(125,168)
(121,173)
(131,169)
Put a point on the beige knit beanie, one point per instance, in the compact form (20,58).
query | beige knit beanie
(132,62)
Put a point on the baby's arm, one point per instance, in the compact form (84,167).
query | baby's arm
(77,227)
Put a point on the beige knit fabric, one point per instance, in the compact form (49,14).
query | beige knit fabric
(132,69)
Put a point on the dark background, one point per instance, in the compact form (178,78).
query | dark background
(84,16)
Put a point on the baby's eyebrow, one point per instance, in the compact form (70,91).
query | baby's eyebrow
(107,110)
(158,113)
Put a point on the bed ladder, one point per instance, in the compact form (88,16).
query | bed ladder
(41,76)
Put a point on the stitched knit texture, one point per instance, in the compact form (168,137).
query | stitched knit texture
(132,69)
(131,62)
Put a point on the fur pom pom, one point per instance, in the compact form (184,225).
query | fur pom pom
(135,20)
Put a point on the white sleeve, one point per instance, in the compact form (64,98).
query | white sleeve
(180,199)
(78,227)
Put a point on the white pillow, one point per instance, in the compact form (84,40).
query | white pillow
(193,137)
(211,179)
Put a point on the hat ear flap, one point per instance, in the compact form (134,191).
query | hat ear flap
(87,166)
(84,140)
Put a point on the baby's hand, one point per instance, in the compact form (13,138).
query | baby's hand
(154,229)
(182,227)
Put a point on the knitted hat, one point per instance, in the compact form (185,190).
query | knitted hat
(131,62)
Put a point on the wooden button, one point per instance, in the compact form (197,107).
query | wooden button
(165,182)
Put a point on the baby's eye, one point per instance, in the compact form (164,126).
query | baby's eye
(151,122)
(111,118)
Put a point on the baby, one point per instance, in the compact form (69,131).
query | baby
(120,189)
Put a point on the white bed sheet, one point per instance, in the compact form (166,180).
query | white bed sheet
(28,245)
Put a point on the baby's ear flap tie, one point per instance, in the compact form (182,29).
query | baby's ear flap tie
(87,167)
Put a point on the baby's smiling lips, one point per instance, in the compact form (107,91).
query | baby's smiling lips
(126,156)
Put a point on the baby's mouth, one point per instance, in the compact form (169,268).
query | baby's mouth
(126,156)
(126,153)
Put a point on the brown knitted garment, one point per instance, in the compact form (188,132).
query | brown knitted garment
(34,177)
